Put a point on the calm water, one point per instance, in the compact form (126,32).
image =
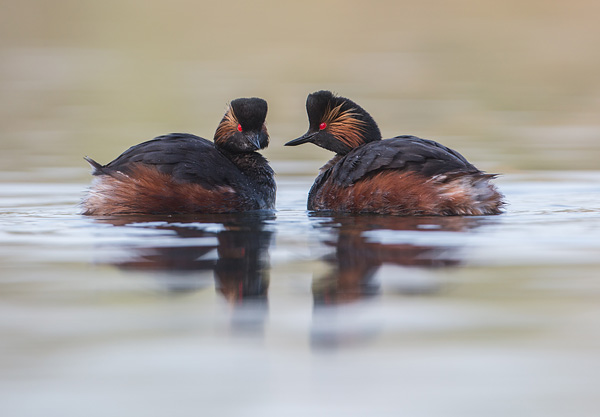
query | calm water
(289,313)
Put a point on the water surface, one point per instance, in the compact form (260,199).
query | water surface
(290,312)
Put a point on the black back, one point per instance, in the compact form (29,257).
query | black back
(408,153)
(186,157)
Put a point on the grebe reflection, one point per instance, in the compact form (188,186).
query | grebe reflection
(359,256)
(235,247)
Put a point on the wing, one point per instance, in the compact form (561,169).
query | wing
(407,153)
(186,157)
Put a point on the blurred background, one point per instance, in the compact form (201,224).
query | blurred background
(513,85)
(288,313)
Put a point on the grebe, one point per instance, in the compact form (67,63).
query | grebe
(404,175)
(183,173)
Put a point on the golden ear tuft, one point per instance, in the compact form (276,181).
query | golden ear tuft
(228,126)
(345,126)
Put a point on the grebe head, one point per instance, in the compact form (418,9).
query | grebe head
(243,129)
(337,124)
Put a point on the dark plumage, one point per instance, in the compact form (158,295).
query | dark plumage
(404,175)
(183,173)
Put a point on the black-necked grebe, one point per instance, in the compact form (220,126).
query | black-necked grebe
(404,175)
(183,173)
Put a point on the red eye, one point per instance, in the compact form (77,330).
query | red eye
(322,126)
(239,127)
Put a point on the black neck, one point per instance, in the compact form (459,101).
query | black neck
(256,168)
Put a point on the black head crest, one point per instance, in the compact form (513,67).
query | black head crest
(337,123)
(242,128)
(250,112)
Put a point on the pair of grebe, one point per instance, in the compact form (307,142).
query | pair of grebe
(183,173)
